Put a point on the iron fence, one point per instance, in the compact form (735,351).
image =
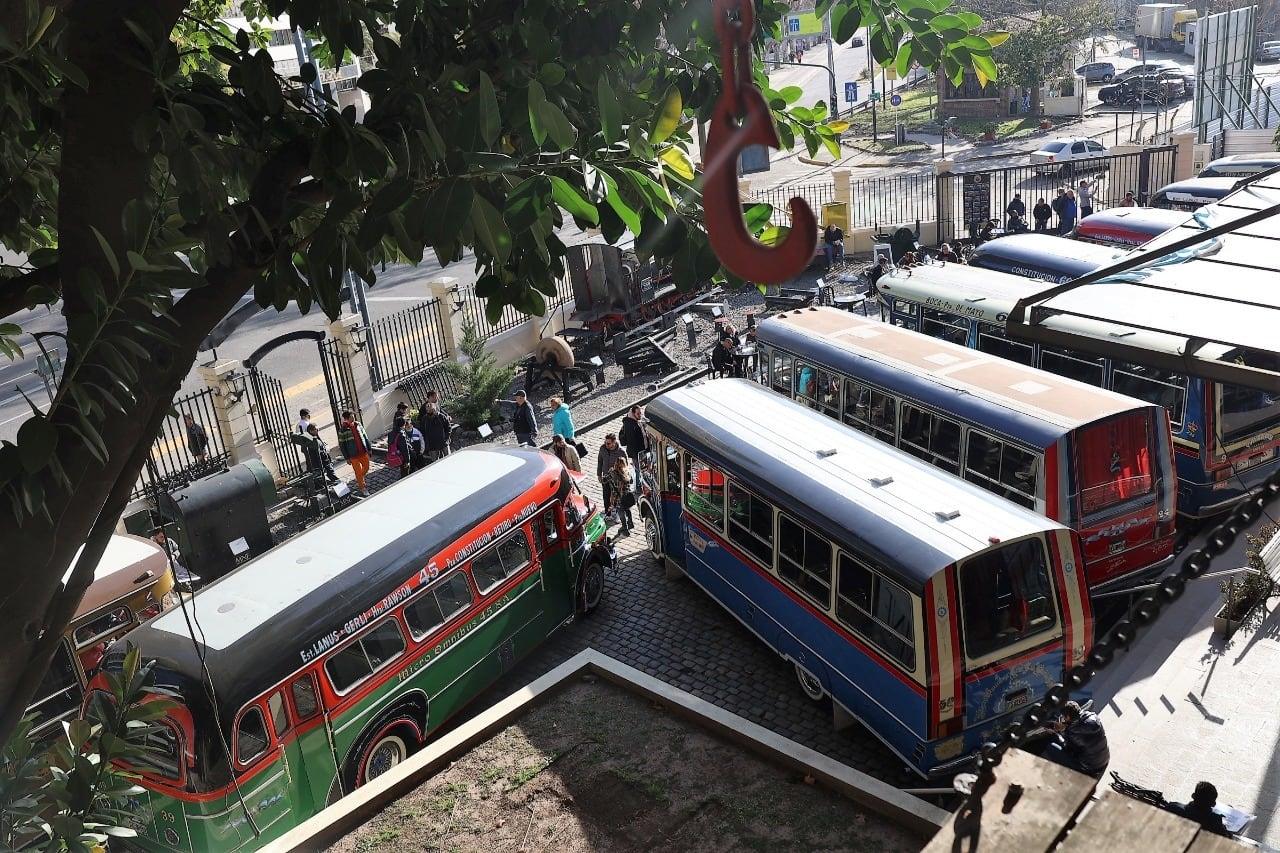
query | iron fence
(473,313)
(273,423)
(815,195)
(338,379)
(183,453)
(888,202)
(406,342)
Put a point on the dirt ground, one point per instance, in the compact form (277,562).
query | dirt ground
(598,768)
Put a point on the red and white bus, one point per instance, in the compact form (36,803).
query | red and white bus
(1128,227)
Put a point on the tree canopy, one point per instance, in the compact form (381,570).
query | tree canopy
(155,168)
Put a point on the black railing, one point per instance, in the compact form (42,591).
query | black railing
(274,423)
(406,342)
(180,455)
(815,195)
(473,311)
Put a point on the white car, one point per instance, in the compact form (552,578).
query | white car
(1269,51)
(1069,155)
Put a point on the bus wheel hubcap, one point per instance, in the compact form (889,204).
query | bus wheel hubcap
(386,754)
(809,683)
(651,534)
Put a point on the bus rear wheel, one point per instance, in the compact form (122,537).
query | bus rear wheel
(590,587)
(384,752)
(651,536)
(810,684)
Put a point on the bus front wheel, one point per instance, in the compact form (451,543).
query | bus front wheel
(590,587)
(652,536)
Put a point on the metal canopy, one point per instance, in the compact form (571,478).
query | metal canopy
(1202,299)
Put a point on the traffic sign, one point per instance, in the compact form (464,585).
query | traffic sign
(1137,54)
(793,24)
(850,93)
(875,96)
(895,99)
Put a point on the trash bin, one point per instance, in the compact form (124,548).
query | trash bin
(1013,106)
(900,134)
(219,522)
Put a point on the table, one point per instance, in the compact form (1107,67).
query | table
(744,360)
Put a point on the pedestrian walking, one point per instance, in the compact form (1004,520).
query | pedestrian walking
(1059,205)
(606,457)
(634,438)
(354,444)
(197,438)
(524,420)
(435,428)
(417,447)
(1085,191)
(561,418)
(1042,213)
(620,479)
(566,452)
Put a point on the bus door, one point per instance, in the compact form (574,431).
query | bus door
(667,502)
(262,763)
(309,746)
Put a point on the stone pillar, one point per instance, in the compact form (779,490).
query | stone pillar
(359,380)
(231,406)
(1190,156)
(443,289)
(945,201)
(844,188)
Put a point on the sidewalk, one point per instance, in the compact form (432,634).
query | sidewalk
(1184,705)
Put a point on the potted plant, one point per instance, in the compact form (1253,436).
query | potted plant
(1244,591)
(989,131)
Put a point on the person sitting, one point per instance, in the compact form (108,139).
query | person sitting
(1200,809)
(722,357)
(987,231)
(1017,225)
(947,255)
(1082,742)
(833,244)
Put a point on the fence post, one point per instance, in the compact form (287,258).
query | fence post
(343,331)
(442,290)
(943,198)
(231,406)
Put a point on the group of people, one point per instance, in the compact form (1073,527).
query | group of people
(1069,205)
(411,446)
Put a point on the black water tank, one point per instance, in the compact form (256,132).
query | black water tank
(221,521)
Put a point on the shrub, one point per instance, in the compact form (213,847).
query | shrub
(479,380)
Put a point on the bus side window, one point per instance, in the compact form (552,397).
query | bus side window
(279,714)
(877,609)
(437,605)
(252,739)
(497,564)
(751,524)
(303,692)
(804,559)
(672,457)
(991,340)
(704,492)
(545,531)
(806,384)
(782,373)
(356,661)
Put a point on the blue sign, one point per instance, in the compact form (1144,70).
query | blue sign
(793,23)
(896,100)
(850,93)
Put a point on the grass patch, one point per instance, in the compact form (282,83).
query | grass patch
(885,146)
(918,107)
(379,839)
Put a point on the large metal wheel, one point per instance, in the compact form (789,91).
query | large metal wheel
(386,751)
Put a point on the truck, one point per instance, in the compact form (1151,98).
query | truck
(1162,26)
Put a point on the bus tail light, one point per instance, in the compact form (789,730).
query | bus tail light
(149,611)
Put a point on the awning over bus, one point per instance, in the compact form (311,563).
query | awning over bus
(1202,299)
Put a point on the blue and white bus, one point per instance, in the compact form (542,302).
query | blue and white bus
(926,608)
(1100,463)
(1225,437)
(1041,256)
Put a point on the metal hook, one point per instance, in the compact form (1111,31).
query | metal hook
(740,119)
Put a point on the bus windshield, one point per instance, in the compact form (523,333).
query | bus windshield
(1246,412)
(1005,597)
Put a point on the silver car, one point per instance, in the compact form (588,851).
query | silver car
(1097,72)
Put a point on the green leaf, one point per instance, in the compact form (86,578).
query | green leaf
(537,100)
(490,230)
(551,74)
(791,94)
(610,112)
(668,117)
(678,161)
(37,440)
(527,203)
(490,120)
(903,62)
(985,68)
(845,21)
(453,201)
(107,252)
(568,197)
(997,38)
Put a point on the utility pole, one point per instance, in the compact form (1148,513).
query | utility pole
(831,67)
(871,78)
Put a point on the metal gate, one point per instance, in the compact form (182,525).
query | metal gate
(338,379)
(273,423)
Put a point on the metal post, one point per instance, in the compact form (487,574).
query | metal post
(871,79)
(831,67)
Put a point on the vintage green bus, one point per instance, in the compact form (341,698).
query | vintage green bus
(328,660)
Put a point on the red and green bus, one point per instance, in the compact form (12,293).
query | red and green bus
(329,659)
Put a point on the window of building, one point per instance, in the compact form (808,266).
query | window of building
(356,661)
(876,609)
(751,524)
(970,89)
(804,559)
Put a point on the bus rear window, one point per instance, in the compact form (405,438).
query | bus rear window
(1005,597)
(1114,462)
(1246,412)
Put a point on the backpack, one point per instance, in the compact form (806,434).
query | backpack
(394,459)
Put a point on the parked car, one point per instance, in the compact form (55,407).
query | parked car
(857,42)
(1155,66)
(1069,155)
(1269,51)
(1148,89)
(1175,84)
(1097,72)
